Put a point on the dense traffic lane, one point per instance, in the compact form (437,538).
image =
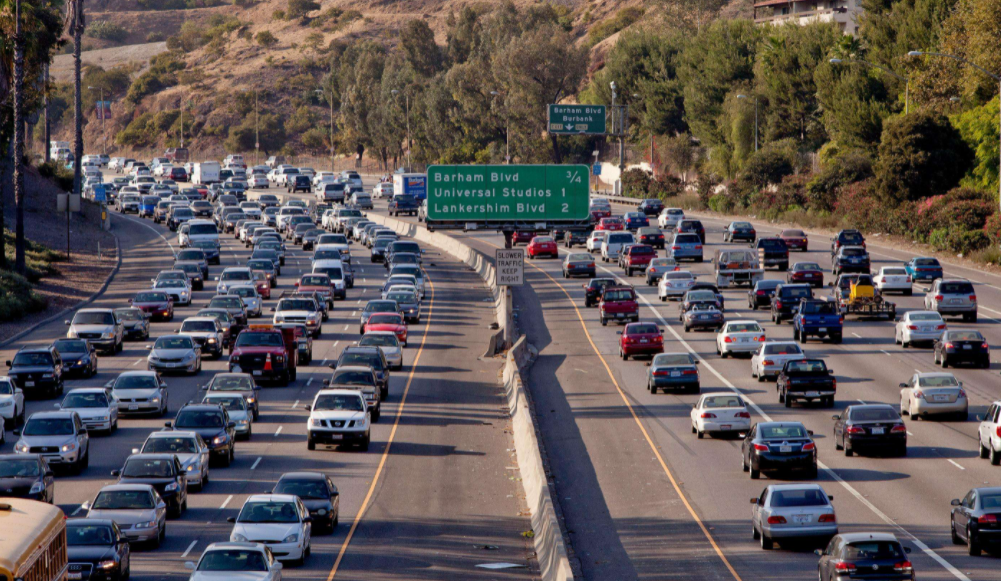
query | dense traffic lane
(448,455)
(914,491)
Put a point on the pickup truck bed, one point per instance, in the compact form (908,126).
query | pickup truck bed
(817,384)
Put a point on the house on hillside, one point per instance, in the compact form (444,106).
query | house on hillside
(842,12)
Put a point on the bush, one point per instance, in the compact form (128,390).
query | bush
(958,240)
(766,166)
(300,8)
(992,228)
(105,30)
(57,173)
(156,37)
(721,203)
(278,15)
(159,76)
(665,186)
(843,169)
(266,39)
(17,297)
(636,183)
(622,19)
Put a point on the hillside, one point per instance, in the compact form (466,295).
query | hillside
(221,54)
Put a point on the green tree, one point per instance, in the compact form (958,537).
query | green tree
(462,34)
(920,155)
(853,102)
(418,45)
(979,129)
(266,39)
(300,8)
(272,134)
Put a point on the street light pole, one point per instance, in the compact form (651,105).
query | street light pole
(409,142)
(986,72)
(257,132)
(755,119)
(104,133)
(907,81)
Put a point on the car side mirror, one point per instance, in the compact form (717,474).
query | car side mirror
(308,407)
(189,565)
(67,322)
(149,347)
(907,550)
(49,474)
(135,450)
(830,284)
(809,432)
(17,432)
(902,385)
(836,417)
(231,425)
(161,505)
(754,500)
(231,519)
(818,552)
(955,502)
(166,424)
(116,473)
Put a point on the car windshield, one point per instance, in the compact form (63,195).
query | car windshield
(880,414)
(895,271)
(873,550)
(642,329)
(81,535)
(198,326)
(678,276)
(926,262)
(380,306)
(18,468)
(306,489)
(201,229)
(255,339)
(925,317)
(385,319)
(32,360)
(964,336)
(956,288)
(853,252)
(244,291)
(233,560)
(265,265)
(767,285)
(230,403)
(743,328)
(350,377)
(296,305)
(938,381)
(314,280)
(148,468)
(851,238)
(618,295)
(235,275)
(663,262)
(806,266)
(702,295)
(722,401)
(796,292)
(379,340)
(332,272)
(782,349)
(190,255)
(123,500)
(170,445)
(94,319)
(231,383)
(806,366)
(773,243)
(637,250)
(136,382)
(70,346)
(402,297)
(189,268)
(48,427)
(84,400)
(782,432)
(798,497)
(226,302)
(173,343)
(339,402)
(267,511)
(198,419)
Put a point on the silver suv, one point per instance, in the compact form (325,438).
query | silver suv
(60,437)
(951,296)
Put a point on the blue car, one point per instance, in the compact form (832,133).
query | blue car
(924,268)
(636,220)
(147,206)
(685,246)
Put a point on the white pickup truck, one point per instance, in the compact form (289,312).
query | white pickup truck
(737,267)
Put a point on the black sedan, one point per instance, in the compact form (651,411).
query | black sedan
(976,520)
(27,476)
(97,550)
(594,288)
(651,207)
(651,236)
(806,273)
(78,355)
(865,556)
(870,427)
(761,294)
(571,238)
(779,447)
(962,346)
(161,471)
(318,493)
(743,231)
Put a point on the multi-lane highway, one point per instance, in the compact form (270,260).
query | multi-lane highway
(436,494)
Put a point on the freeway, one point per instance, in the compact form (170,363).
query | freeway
(434,496)
(643,498)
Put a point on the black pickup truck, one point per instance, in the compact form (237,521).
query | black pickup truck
(773,252)
(806,379)
(404,204)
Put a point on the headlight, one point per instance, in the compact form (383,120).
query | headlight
(6,404)
(37,487)
(153,358)
(21,447)
(109,564)
(101,419)
(312,422)
(190,467)
(69,447)
(146,525)
(188,356)
(71,334)
(243,422)
(279,318)
(107,335)
(291,538)
(81,362)
(237,538)
(155,400)
(250,399)
(220,439)
(170,487)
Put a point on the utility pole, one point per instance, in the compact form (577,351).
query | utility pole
(183,105)
(100,109)
(48,126)
(257,132)
(19,242)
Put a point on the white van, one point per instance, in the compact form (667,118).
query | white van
(611,246)
(335,270)
(206,172)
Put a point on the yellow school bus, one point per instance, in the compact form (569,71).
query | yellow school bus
(32,541)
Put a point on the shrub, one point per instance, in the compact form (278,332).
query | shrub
(105,30)
(159,76)
(843,169)
(992,228)
(705,187)
(156,37)
(278,15)
(721,203)
(622,19)
(266,39)
(665,186)
(57,173)
(300,8)
(17,297)
(958,240)
(766,166)
(636,183)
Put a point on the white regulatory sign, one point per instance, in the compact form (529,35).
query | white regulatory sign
(510,266)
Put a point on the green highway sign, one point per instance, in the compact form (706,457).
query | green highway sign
(576,119)
(524,193)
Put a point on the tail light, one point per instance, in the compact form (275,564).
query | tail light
(988,519)
(998,431)
(760,293)
(854,430)
(834,384)
(903,567)
(591,265)
(918,394)
(899,429)
(809,447)
(962,393)
(940,327)
(708,416)
(908,278)
(843,568)
(675,248)
(973,298)
(658,339)
(950,346)
(761,447)
(728,339)
(745,415)
(827,518)
(778,304)
(689,372)
(661,373)
(984,346)
(912,327)
(759,338)
(939,298)
(776,520)
(841,319)
(767,362)
(699,247)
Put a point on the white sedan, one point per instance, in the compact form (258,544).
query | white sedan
(739,337)
(769,360)
(720,414)
(594,241)
(258,181)
(244,561)
(11,402)
(279,520)
(674,285)
(893,279)
(919,326)
(98,410)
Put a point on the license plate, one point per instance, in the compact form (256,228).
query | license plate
(823,329)
(967,346)
(133,407)
(620,315)
(644,340)
(785,449)
(940,398)
(955,301)
(258,372)
(675,374)
(724,426)
(878,431)
(801,518)
(29,384)
(336,437)
(703,317)
(74,576)
(744,340)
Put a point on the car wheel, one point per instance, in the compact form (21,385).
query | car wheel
(310,444)
(944,361)
(994,456)
(699,434)
(952,530)
(984,452)
(755,473)
(972,546)
(848,451)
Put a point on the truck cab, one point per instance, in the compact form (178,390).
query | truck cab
(266,352)
(618,303)
(817,318)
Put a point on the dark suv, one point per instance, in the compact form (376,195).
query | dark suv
(847,238)
(851,259)
(299,183)
(37,370)
(161,471)
(773,252)
(178,174)
(693,227)
(594,288)
(787,298)
(212,423)
(651,207)
(368,357)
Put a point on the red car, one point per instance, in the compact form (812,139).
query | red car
(392,322)
(203,192)
(599,212)
(638,257)
(611,224)
(522,236)
(263,284)
(543,246)
(795,239)
(267,352)
(318,283)
(640,339)
(618,303)
(155,304)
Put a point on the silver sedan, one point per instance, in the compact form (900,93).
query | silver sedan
(927,394)
(919,326)
(388,343)
(792,511)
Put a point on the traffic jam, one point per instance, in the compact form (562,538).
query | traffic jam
(224,315)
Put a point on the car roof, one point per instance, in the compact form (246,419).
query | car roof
(171,434)
(304,475)
(136,372)
(354,368)
(127,487)
(87,390)
(796,486)
(152,456)
(856,537)
(95,310)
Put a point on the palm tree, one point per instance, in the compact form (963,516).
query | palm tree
(18,153)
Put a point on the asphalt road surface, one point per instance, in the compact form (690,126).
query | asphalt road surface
(437,493)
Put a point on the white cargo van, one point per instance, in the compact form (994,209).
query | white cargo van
(206,172)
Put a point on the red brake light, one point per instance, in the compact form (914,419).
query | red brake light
(973,298)
(939,298)
(843,567)
(675,248)
(912,327)
(776,520)
(760,293)
(855,430)
(727,339)
(761,447)
(809,446)
(988,518)
(760,338)
(827,518)
(940,327)
(708,415)
(778,304)
(998,431)
(984,346)
(918,394)
(950,346)
(767,362)
(689,372)
(901,429)
(904,567)
(743,415)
